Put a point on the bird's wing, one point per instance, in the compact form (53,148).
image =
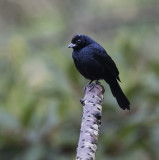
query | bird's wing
(103,58)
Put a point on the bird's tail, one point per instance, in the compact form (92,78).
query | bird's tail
(118,94)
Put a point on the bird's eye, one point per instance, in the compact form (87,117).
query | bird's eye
(78,41)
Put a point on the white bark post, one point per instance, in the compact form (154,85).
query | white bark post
(91,120)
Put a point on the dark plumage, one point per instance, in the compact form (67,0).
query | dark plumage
(93,62)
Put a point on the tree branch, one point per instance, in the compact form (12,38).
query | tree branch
(91,120)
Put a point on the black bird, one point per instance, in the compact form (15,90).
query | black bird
(93,62)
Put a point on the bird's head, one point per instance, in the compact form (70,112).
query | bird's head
(80,41)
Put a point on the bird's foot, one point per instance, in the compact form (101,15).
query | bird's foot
(91,85)
(87,86)
(97,82)
(94,85)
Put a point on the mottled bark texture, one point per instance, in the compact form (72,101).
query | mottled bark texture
(91,120)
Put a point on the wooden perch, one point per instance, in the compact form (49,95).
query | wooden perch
(91,120)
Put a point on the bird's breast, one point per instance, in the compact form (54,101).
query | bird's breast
(87,65)
(82,57)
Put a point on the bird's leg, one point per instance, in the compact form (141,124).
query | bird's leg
(90,83)
(94,84)
(97,82)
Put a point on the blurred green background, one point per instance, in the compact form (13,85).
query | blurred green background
(40,112)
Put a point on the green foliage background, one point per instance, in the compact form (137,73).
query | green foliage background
(40,112)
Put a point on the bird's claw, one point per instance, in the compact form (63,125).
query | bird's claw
(91,86)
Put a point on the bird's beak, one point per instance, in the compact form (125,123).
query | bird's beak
(71,45)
